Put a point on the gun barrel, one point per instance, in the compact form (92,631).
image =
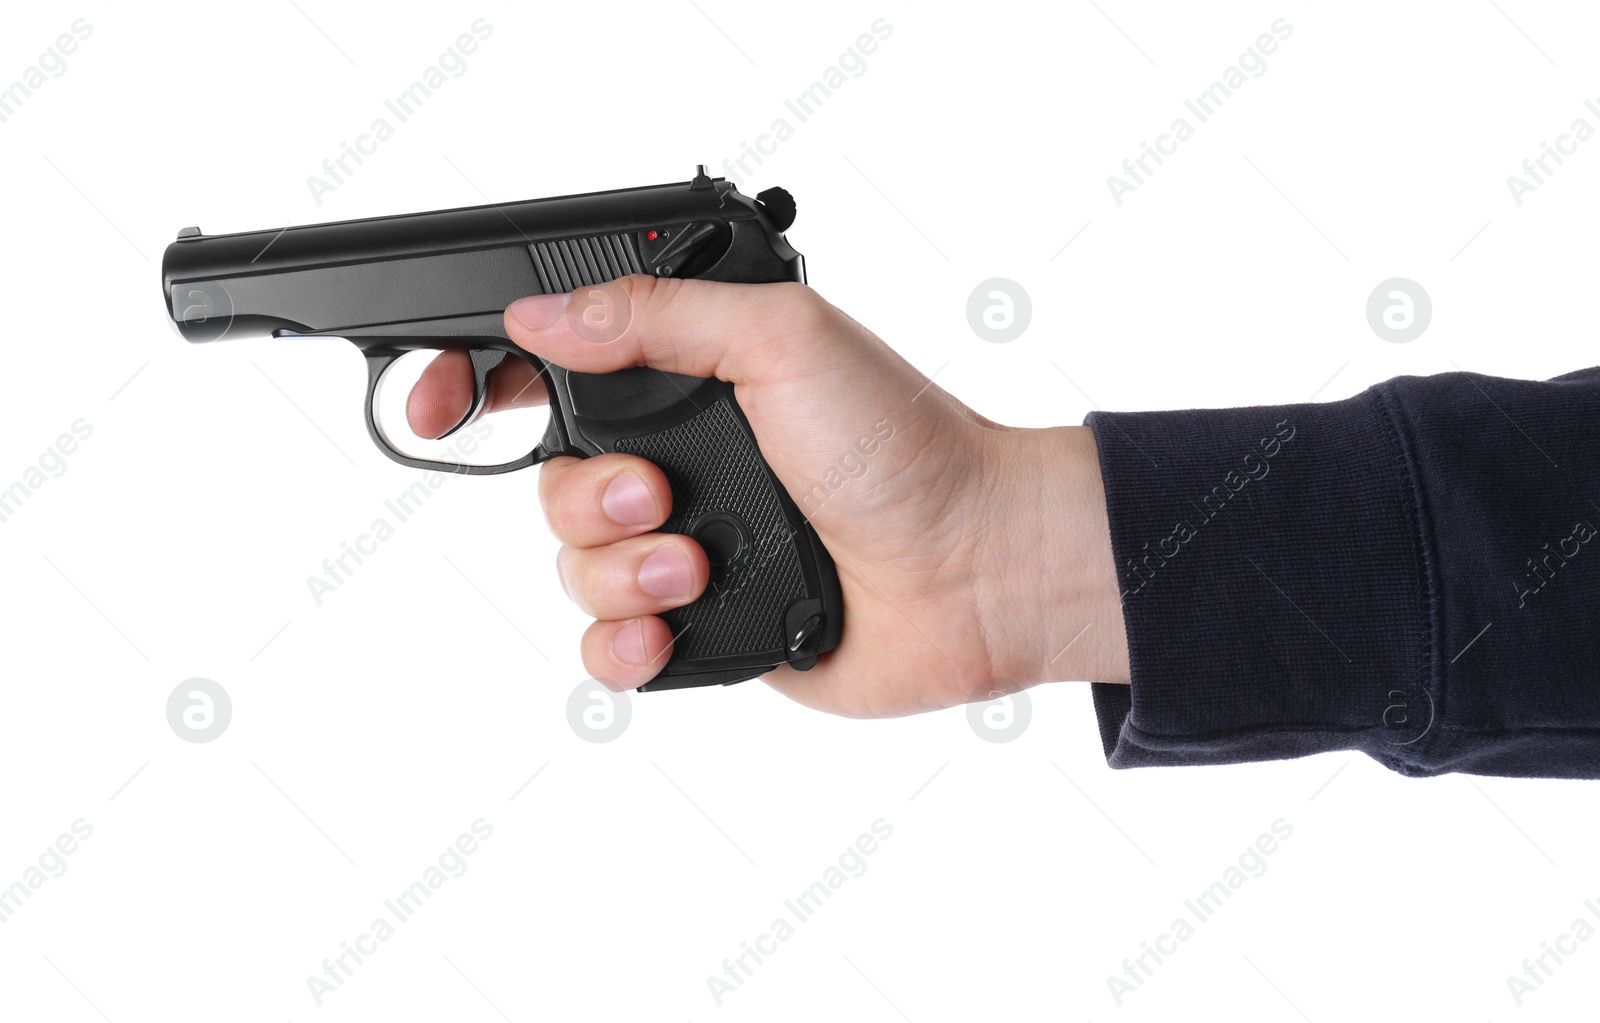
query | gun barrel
(455,269)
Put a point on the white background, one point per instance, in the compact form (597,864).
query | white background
(369,732)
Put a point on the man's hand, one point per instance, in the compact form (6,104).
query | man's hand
(970,554)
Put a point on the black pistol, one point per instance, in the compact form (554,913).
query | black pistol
(442,280)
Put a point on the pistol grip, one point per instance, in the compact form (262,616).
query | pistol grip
(774,593)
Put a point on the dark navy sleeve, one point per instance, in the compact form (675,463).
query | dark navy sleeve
(1413,573)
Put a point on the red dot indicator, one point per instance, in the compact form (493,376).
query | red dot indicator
(649,236)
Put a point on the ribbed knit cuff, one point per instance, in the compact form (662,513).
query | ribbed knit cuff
(1274,586)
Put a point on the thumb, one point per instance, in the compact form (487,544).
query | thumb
(692,327)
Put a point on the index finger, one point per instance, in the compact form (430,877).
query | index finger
(443,394)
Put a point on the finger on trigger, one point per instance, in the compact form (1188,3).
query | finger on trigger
(444,392)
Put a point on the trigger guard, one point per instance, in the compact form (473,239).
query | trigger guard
(378,376)
(484,362)
(380,356)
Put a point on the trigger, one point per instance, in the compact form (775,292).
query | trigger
(483,363)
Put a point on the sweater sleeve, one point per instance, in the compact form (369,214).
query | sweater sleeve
(1413,573)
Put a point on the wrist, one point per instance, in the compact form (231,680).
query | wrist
(1048,595)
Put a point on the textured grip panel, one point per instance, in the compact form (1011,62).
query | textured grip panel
(573,263)
(714,466)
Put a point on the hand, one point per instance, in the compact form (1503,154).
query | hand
(969,553)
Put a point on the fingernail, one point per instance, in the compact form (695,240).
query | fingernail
(627,645)
(666,573)
(627,501)
(537,312)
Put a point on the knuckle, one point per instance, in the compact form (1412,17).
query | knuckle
(801,307)
(571,580)
(643,297)
(550,488)
(803,298)
(640,287)
(550,474)
(645,291)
